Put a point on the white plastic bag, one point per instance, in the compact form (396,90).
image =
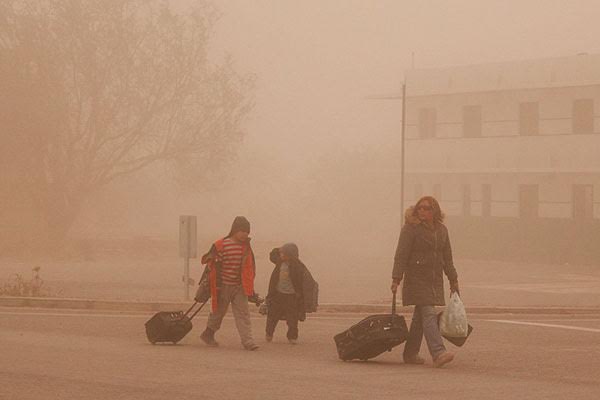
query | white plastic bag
(453,321)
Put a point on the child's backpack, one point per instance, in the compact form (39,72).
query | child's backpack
(311,292)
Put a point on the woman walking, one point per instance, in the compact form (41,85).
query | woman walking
(422,254)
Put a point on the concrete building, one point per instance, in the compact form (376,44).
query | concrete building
(509,143)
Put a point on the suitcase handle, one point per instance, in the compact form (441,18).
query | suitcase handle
(195,312)
(393,308)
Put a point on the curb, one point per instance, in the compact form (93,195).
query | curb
(341,308)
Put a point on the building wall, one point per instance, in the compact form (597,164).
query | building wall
(554,159)
(555,192)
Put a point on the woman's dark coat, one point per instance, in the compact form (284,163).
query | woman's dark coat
(296,268)
(422,254)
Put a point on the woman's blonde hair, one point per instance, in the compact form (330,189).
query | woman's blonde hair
(438,214)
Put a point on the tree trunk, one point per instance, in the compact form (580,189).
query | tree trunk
(59,216)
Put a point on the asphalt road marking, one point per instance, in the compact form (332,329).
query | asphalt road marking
(574,328)
(546,320)
(332,318)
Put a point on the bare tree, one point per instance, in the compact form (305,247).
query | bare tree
(94,90)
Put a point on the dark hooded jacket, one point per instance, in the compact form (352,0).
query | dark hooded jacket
(421,256)
(297,269)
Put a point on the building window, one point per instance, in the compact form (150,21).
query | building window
(472,121)
(583,202)
(529,119)
(466,203)
(528,201)
(583,116)
(486,200)
(427,123)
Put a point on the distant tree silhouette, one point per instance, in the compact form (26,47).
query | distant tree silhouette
(94,90)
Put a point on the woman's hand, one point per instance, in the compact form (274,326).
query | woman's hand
(395,284)
(454,288)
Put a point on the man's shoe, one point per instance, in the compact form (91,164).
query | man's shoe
(208,337)
(269,338)
(293,341)
(251,346)
(443,359)
(414,360)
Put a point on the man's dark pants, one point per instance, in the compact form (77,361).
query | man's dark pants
(283,306)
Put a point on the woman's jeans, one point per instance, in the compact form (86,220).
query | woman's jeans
(424,322)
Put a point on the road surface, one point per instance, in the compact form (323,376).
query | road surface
(57,354)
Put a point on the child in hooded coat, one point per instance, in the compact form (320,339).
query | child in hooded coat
(285,299)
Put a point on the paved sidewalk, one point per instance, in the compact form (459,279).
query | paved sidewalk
(151,282)
(324,309)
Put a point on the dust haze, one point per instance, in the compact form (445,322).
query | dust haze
(318,157)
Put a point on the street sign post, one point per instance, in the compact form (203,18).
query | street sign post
(188,248)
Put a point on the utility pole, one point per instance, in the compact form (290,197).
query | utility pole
(403,142)
(402,139)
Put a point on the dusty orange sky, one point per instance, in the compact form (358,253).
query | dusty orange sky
(318,61)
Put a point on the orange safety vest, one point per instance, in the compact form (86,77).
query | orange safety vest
(248,271)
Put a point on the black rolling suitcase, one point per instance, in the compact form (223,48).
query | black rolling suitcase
(372,336)
(170,326)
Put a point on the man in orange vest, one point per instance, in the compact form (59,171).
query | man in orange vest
(231,271)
